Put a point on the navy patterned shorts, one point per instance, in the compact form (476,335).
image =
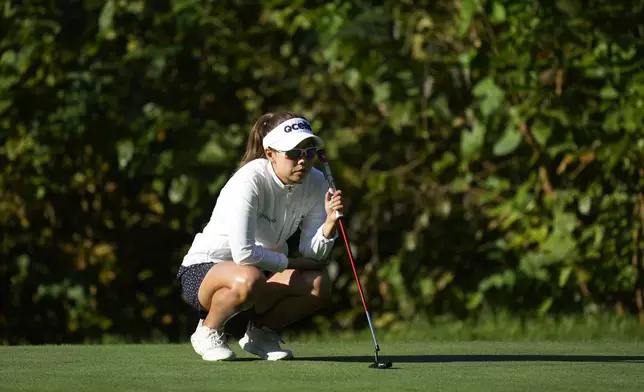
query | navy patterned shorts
(191,278)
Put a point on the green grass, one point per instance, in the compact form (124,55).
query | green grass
(332,366)
(496,327)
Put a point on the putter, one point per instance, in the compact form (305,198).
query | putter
(377,364)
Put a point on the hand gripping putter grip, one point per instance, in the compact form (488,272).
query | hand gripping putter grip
(377,364)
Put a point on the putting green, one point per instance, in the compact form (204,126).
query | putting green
(331,366)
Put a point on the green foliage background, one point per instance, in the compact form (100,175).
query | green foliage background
(491,152)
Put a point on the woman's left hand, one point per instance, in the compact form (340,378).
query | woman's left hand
(333,203)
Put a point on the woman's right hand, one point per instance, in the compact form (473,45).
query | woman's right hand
(306,263)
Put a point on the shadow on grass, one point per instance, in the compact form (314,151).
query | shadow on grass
(477,358)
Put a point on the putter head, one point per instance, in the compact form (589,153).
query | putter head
(381,365)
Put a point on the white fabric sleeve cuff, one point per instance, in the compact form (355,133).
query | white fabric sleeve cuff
(322,238)
(283,263)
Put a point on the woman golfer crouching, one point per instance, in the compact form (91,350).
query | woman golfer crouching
(239,261)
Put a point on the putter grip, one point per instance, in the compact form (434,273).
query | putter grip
(328,175)
(338,214)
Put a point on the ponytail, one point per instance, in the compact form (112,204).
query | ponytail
(263,125)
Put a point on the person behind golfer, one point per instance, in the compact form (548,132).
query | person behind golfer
(239,261)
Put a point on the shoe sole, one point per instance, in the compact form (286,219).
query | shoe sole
(231,358)
(250,349)
(267,357)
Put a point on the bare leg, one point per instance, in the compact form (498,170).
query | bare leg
(290,296)
(228,289)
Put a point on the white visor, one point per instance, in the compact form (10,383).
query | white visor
(287,135)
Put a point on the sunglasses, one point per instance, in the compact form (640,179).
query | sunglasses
(300,153)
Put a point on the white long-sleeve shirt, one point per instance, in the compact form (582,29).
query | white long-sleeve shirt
(256,213)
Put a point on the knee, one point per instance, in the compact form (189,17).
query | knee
(247,284)
(321,286)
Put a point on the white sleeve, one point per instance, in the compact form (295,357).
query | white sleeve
(241,233)
(312,242)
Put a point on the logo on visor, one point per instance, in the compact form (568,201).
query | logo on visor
(296,126)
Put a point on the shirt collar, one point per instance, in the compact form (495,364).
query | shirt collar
(277,180)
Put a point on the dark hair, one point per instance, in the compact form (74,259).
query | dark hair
(263,125)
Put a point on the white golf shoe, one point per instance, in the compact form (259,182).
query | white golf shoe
(264,343)
(193,337)
(211,344)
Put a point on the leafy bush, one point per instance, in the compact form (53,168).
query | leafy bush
(491,151)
